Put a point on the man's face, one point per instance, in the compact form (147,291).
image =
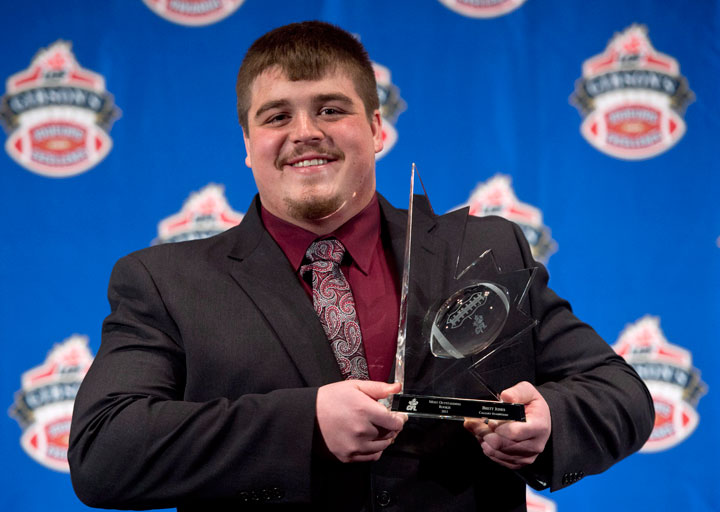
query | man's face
(311,148)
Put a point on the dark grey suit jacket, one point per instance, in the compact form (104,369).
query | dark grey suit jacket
(202,395)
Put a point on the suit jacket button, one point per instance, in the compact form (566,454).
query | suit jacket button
(384,498)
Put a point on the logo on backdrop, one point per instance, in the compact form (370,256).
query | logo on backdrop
(391,106)
(673,382)
(44,405)
(57,115)
(204,214)
(482,8)
(632,98)
(497,197)
(194,12)
(538,503)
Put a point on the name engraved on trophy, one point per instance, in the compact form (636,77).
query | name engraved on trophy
(433,406)
(497,412)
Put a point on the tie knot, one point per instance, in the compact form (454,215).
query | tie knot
(329,249)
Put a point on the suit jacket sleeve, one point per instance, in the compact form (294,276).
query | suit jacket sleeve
(601,410)
(136,442)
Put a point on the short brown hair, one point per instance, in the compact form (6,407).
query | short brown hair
(307,51)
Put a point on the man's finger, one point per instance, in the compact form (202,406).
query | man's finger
(384,433)
(387,420)
(477,427)
(520,393)
(378,414)
(512,449)
(518,432)
(511,461)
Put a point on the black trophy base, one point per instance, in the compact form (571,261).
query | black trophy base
(456,408)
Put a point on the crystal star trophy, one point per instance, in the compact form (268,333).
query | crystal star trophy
(453,329)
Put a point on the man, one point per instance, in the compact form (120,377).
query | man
(218,387)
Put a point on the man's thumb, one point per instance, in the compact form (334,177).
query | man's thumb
(520,393)
(377,390)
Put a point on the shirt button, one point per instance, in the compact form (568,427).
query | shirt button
(383,498)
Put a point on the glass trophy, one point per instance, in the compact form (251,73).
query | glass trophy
(451,328)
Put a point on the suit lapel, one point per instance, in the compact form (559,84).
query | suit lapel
(262,270)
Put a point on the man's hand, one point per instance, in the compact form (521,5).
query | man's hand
(355,427)
(515,444)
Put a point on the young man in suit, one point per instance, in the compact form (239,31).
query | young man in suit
(218,387)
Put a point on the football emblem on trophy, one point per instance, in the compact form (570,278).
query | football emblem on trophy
(469,320)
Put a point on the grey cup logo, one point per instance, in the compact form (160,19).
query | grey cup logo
(204,214)
(497,197)
(632,98)
(44,405)
(482,8)
(673,382)
(57,114)
(391,106)
(194,12)
(479,324)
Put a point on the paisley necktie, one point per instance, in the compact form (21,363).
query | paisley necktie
(335,306)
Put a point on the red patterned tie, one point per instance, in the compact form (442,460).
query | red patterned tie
(335,305)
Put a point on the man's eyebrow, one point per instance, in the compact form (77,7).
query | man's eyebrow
(335,96)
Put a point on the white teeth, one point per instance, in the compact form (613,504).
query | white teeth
(308,163)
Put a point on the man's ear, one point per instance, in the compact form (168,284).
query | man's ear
(246,140)
(376,127)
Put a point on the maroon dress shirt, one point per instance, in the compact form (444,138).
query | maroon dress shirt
(370,270)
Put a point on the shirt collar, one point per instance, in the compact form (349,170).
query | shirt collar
(359,235)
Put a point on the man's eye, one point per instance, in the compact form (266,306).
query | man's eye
(328,111)
(277,118)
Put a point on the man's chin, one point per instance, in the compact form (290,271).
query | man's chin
(314,209)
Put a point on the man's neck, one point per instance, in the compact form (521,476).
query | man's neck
(329,223)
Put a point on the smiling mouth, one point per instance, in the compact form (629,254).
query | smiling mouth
(308,163)
(306,157)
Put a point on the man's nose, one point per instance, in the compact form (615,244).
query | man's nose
(305,128)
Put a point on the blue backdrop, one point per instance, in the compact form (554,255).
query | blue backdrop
(624,213)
